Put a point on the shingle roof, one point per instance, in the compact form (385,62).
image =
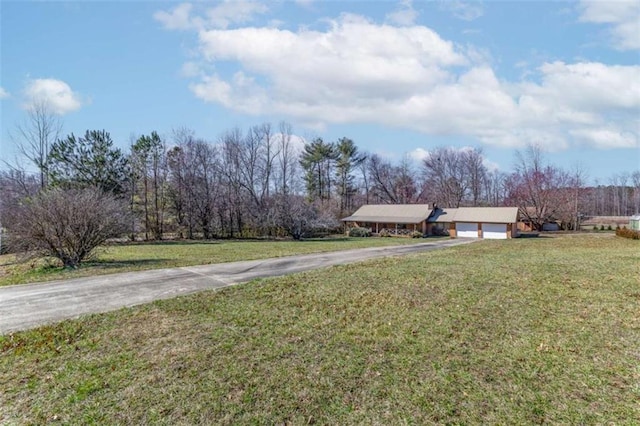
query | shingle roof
(487,214)
(390,213)
(416,213)
(443,215)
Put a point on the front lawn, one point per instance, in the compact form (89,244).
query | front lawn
(168,254)
(523,331)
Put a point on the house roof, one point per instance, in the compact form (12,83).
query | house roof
(487,214)
(416,213)
(390,213)
(442,215)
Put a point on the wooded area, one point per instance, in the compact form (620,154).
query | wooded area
(264,182)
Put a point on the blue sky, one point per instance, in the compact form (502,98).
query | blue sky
(399,78)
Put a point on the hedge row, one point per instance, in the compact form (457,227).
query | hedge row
(628,233)
(359,232)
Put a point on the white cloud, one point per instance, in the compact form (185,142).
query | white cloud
(221,16)
(296,142)
(492,166)
(607,138)
(190,70)
(234,11)
(465,10)
(354,59)
(622,15)
(304,3)
(178,19)
(591,86)
(211,89)
(358,71)
(3,93)
(56,93)
(419,154)
(404,15)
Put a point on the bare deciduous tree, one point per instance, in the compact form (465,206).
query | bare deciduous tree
(36,134)
(148,162)
(541,191)
(392,184)
(454,176)
(287,161)
(66,224)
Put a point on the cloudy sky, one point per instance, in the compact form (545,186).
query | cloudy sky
(399,78)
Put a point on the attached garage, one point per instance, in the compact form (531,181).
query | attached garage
(494,231)
(464,222)
(467,230)
(486,222)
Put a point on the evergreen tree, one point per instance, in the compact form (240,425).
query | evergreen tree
(89,161)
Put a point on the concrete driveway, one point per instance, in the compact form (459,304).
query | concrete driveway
(29,305)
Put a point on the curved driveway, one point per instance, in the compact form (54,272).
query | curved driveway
(29,305)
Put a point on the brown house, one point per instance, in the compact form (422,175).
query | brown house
(397,219)
(463,222)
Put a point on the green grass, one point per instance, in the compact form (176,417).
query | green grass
(524,331)
(168,254)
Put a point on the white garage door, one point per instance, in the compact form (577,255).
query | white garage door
(494,231)
(467,230)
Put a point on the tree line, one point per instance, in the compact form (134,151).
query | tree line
(262,182)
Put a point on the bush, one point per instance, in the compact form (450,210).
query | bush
(66,224)
(609,228)
(628,233)
(440,231)
(384,233)
(359,232)
(602,227)
(416,234)
(595,227)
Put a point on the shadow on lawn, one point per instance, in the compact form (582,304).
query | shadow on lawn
(162,243)
(222,241)
(326,239)
(114,264)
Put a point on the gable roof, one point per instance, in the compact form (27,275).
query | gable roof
(390,213)
(487,214)
(442,215)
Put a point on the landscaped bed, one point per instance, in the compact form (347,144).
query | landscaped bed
(521,331)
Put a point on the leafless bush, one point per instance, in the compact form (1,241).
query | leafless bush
(66,224)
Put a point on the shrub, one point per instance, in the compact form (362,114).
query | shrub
(595,227)
(67,224)
(440,231)
(628,233)
(609,228)
(359,232)
(602,227)
(416,234)
(384,233)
